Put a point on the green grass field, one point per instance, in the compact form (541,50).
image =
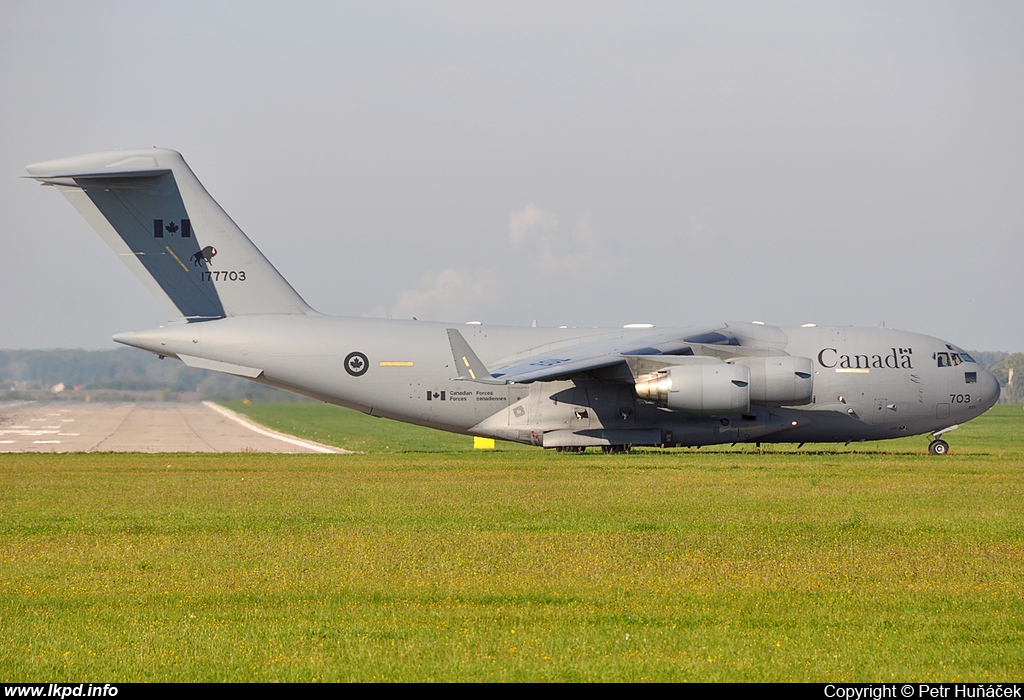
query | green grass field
(421,560)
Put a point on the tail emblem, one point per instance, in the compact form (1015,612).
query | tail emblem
(204,255)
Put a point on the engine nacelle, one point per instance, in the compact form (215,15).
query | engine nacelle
(708,389)
(779,381)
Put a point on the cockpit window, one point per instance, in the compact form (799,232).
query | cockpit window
(959,354)
(952,358)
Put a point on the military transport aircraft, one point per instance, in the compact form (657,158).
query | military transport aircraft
(562,388)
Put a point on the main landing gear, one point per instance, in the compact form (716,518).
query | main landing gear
(607,449)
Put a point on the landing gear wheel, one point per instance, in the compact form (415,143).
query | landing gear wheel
(938,447)
(615,449)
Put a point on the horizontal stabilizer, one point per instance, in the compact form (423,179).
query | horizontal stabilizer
(223,367)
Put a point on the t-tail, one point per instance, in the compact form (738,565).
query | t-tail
(156,215)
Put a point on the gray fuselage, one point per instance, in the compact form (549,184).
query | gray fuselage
(868,383)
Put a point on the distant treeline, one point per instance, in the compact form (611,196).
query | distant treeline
(1009,370)
(126,374)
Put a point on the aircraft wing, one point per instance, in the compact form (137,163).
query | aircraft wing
(551,368)
(590,355)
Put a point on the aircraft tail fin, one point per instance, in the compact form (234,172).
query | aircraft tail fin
(156,215)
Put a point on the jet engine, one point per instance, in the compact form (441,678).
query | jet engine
(708,389)
(779,381)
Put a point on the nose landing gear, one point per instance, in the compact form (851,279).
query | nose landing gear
(937,446)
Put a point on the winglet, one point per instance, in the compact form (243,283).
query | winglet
(467,364)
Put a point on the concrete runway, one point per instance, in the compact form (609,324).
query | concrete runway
(139,427)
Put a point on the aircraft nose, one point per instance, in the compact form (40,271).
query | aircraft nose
(989,387)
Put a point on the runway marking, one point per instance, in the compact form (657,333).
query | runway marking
(7,442)
(46,442)
(242,420)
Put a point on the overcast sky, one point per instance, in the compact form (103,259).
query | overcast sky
(571,163)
